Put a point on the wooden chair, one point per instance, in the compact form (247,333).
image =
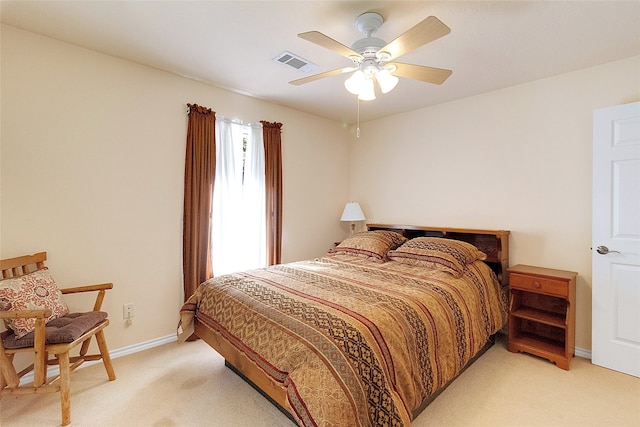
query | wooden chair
(83,327)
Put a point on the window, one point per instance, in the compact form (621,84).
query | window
(238,214)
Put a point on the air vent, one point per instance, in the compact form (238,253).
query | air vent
(295,62)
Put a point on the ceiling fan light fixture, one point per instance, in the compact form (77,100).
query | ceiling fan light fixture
(355,83)
(368,92)
(386,80)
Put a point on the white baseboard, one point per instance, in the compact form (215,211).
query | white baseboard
(124,351)
(581,352)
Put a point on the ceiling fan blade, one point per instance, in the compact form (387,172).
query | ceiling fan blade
(420,34)
(322,75)
(420,72)
(329,43)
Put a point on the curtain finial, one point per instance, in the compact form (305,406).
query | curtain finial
(197,108)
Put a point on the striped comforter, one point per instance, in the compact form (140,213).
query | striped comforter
(353,342)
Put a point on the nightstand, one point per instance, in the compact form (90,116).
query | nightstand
(542,313)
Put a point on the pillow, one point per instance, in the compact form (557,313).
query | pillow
(438,254)
(370,244)
(36,290)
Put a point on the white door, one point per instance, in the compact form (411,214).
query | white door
(616,238)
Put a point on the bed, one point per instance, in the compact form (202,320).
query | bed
(366,335)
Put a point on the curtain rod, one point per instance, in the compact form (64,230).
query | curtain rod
(232,119)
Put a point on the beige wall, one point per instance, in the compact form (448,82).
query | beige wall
(517,159)
(92,164)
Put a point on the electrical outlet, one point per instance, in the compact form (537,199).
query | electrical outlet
(127,311)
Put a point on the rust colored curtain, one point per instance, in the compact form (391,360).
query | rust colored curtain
(199,175)
(273,195)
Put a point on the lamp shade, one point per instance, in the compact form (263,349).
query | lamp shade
(368,92)
(355,83)
(352,212)
(386,80)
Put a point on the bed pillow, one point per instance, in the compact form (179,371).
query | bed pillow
(370,244)
(438,254)
(36,290)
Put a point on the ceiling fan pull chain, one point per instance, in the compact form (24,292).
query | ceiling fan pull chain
(358,124)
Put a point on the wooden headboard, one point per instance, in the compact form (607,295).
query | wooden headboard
(494,243)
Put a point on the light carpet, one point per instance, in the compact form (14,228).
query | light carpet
(188,385)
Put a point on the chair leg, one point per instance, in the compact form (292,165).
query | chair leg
(85,347)
(46,366)
(8,375)
(3,382)
(106,358)
(39,354)
(65,387)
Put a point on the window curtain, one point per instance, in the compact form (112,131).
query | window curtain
(253,193)
(238,198)
(199,175)
(273,185)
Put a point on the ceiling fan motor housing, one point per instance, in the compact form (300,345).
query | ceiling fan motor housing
(368,23)
(368,46)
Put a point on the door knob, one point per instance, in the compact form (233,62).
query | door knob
(603,250)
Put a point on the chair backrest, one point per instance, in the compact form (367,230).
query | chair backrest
(19,266)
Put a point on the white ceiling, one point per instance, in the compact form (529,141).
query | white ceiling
(231,44)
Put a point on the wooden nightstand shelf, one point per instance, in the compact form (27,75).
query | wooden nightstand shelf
(542,313)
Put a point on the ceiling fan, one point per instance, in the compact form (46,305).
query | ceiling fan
(372,56)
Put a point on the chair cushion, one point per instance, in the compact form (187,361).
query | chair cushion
(62,330)
(36,290)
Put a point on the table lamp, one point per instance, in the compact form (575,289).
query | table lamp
(352,213)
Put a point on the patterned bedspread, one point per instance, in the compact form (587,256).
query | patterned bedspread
(352,341)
